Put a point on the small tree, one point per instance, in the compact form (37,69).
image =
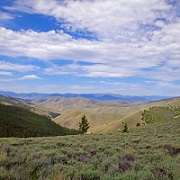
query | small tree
(83,125)
(126,129)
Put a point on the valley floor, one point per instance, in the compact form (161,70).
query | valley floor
(148,152)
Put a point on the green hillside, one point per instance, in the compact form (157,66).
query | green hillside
(147,152)
(19,122)
(47,112)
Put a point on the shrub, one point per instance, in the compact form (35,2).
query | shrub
(90,175)
(138,124)
(126,129)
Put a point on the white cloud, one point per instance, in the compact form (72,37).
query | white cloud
(116,88)
(131,36)
(5,16)
(4,65)
(28,77)
(107,18)
(6,73)
(96,70)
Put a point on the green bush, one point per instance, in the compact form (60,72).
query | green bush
(126,129)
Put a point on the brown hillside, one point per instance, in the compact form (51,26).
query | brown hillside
(66,104)
(103,116)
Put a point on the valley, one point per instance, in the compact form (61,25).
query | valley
(103,116)
(34,146)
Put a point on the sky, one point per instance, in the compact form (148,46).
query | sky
(128,47)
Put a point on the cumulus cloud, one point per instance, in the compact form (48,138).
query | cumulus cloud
(117,19)
(132,38)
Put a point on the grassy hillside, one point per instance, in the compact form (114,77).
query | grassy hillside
(131,120)
(109,118)
(47,112)
(147,152)
(97,117)
(65,104)
(19,122)
(160,114)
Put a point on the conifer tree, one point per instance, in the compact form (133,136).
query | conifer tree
(83,125)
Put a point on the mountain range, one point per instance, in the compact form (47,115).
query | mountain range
(100,96)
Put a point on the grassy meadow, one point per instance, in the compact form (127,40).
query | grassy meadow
(146,152)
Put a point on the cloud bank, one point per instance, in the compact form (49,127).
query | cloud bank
(102,38)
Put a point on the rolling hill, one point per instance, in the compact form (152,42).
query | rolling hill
(19,122)
(103,116)
(47,112)
(98,113)
(65,104)
(146,152)
(135,117)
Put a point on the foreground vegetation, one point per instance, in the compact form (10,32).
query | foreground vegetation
(146,152)
(19,122)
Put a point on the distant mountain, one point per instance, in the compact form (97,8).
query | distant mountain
(19,122)
(100,97)
(65,104)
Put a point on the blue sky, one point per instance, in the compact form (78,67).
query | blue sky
(128,47)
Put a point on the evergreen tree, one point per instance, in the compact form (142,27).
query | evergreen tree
(83,125)
(126,129)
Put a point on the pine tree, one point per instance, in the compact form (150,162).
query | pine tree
(83,125)
(126,129)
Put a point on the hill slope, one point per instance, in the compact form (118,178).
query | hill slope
(98,113)
(47,112)
(65,104)
(19,122)
(133,118)
(103,116)
(147,152)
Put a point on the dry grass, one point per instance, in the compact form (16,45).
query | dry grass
(108,119)
(3,156)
